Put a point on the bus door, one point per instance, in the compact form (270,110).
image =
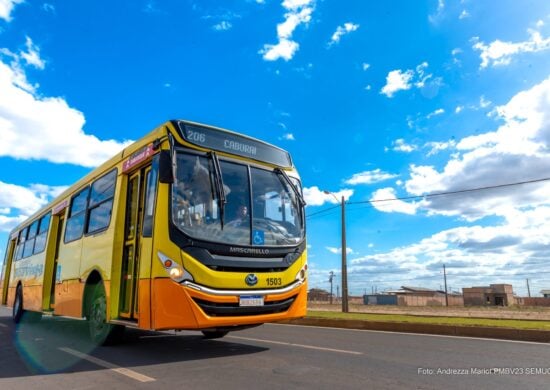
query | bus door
(58,222)
(136,261)
(6,271)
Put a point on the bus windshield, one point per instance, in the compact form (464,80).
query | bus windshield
(261,208)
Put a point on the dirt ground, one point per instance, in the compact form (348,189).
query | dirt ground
(514,312)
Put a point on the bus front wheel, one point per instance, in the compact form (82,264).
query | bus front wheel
(101,332)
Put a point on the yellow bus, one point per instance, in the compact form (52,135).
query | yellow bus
(190,227)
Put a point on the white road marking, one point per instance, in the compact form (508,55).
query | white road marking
(113,367)
(297,345)
(3,325)
(417,334)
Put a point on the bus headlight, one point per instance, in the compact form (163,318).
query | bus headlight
(302,274)
(176,272)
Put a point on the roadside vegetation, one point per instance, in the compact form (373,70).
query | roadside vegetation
(440,320)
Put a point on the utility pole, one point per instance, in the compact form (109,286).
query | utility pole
(330,276)
(445,279)
(345,307)
(337,292)
(528,289)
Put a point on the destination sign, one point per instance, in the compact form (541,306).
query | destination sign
(234,144)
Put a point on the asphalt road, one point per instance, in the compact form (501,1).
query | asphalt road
(55,354)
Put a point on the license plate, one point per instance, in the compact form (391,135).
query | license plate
(251,300)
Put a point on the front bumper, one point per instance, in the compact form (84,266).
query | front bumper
(193,306)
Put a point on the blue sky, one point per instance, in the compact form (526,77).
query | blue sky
(375,100)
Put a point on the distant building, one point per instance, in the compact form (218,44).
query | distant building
(418,291)
(545,293)
(319,295)
(492,295)
(414,296)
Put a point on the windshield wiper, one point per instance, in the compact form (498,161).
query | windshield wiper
(218,183)
(296,191)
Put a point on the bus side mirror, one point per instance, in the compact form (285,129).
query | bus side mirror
(165,167)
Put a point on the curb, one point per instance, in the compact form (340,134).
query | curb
(447,330)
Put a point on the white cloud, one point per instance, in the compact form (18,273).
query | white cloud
(517,151)
(369,177)
(399,145)
(289,137)
(32,55)
(315,197)
(6,7)
(540,23)
(458,109)
(285,49)
(341,31)
(338,251)
(365,66)
(48,7)
(397,80)
(436,17)
(473,255)
(436,147)
(484,103)
(385,200)
(456,51)
(35,127)
(299,12)
(464,14)
(23,201)
(439,111)
(501,53)
(224,25)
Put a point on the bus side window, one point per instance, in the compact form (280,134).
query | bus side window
(75,223)
(29,244)
(40,243)
(21,244)
(101,202)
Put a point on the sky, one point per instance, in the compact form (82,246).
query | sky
(375,100)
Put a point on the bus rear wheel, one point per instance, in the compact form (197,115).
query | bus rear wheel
(101,332)
(214,334)
(18,311)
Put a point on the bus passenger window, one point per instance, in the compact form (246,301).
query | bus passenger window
(29,244)
(75,224)
(101,202)
(21,244)
(40,243)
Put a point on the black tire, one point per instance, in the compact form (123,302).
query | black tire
(214,334)
(101,332)
(17,313)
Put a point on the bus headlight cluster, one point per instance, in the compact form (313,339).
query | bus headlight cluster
(302,274)
(176,272)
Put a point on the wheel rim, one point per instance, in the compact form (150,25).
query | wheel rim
(97,317)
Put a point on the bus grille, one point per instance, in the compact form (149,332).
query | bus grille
(214,309)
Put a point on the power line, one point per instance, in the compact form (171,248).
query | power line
(323,211)
(412,197)
(454,192)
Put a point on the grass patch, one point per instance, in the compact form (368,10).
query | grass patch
(455,321)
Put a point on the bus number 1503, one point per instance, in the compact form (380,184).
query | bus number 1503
(274,281)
